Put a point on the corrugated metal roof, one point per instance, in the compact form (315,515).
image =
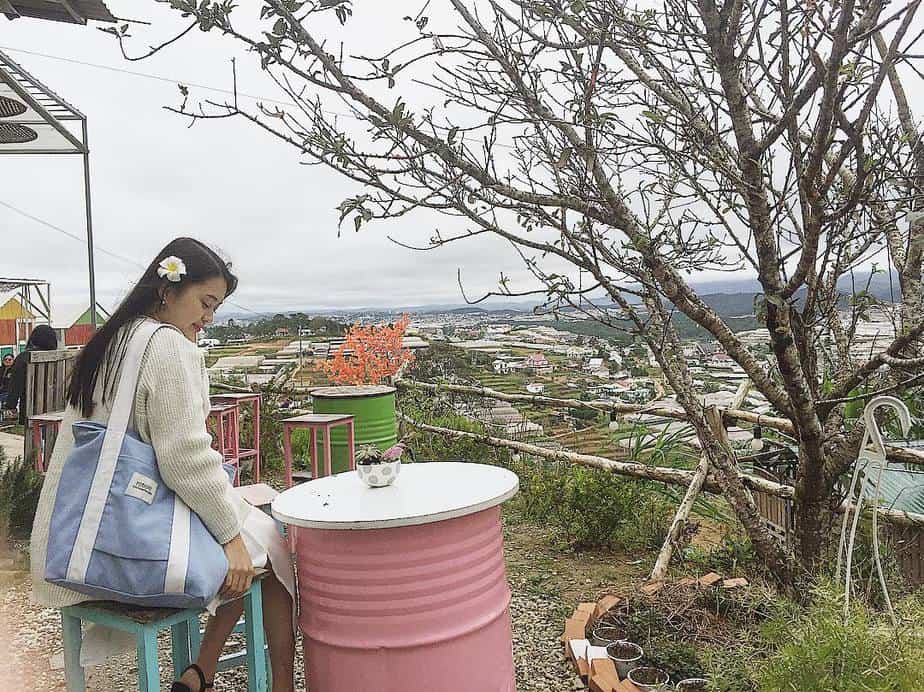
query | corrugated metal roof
(902,486)
(70,11)
(903,490)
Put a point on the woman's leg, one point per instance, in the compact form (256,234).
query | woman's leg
(217,631)
(280,638)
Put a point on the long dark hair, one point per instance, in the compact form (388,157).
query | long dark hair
(42,338)
(202,263)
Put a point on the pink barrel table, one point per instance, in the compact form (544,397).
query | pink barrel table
(404,588)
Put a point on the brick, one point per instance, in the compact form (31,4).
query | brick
(594,653)
(734,583)
(585,607)
(604,682)
(584,617)
(652,587)
(605,605)
(582,668)
(601,666)
(576,648)
(710,579)
(686,581)
(574,629)
(626,686)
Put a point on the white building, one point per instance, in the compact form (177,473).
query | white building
(501,367)
(594,364)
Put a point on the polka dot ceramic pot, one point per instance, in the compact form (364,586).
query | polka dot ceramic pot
(379,475)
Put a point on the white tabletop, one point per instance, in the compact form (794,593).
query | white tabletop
(423,493)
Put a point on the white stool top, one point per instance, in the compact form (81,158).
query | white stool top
(423,493)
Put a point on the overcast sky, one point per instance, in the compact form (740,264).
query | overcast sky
(225,182)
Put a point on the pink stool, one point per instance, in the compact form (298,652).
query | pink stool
(251,452)
(315,422)
(41,424)
(404,587)
(223,423)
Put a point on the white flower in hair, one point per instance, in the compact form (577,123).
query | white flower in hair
(171,268)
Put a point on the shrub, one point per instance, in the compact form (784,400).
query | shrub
(818,649)
(20,486)
(586,507)
(271,453)
(733,556)
(592,508)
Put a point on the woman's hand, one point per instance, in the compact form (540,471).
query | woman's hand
(240,569)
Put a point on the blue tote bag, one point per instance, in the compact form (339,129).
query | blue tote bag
(117,531)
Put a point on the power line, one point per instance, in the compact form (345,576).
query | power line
(73,236)
(171,80)
(97,248)
(162,78)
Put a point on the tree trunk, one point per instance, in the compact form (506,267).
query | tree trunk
(812,515)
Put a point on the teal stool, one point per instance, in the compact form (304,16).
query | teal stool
(145,623)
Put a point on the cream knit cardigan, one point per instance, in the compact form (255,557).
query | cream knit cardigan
(171,405)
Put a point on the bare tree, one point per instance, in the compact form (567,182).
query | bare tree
(641,146)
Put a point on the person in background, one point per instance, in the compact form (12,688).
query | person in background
(42,338)
(6,371)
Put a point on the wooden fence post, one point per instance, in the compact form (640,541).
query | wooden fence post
(686,505)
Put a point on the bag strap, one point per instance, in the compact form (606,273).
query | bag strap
(116,428)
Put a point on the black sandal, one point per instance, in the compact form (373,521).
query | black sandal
(183,687)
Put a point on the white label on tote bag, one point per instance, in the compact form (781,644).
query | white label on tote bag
(142,487)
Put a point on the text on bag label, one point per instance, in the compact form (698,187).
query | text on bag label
(142,488)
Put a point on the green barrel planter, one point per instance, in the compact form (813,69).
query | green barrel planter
(373,411)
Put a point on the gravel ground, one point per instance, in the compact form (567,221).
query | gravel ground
(30,635)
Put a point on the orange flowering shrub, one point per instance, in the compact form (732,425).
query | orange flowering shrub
(376,353)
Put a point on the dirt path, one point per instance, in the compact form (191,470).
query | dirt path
(12,445)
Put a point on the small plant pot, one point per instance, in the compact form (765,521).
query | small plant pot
(692,685)
(605,634)
(648,678)
(625,655)
(379,474)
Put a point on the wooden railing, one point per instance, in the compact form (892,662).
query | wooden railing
(47,375)
(776,511)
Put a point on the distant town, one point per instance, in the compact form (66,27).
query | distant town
(512,352)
